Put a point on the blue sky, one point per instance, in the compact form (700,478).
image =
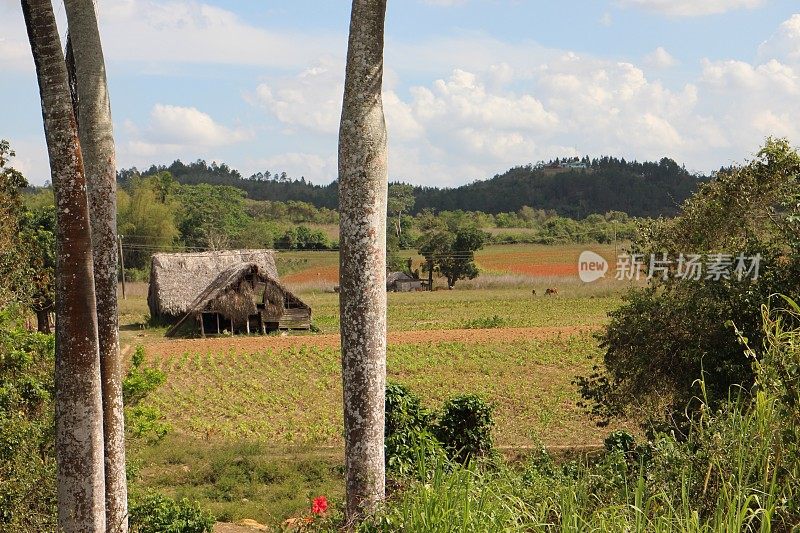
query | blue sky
(472,87)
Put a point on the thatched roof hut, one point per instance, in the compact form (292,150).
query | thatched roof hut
(176,280)
(244,297)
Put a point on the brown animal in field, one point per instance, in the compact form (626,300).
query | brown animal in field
(533,292)
(552,291)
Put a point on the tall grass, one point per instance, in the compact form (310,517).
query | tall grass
(737,469)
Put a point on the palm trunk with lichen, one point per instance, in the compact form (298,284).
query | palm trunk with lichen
(363,182)
(79,428)
(95,130)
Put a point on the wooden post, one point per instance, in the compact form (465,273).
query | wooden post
(247,325)
(430,274)
(202,327)
(218,328)
(231,327)
(121,264)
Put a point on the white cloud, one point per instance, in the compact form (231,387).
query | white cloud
(174,131)
(311,100)
(31,158)
(660,58)
(171,124)
(691,8)
(151,32)
(606,20)
(15,54)
(750,102)
(785,43)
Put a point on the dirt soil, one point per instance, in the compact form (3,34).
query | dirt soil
(258,343)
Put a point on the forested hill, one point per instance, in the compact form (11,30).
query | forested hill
(605,184)
(640,189)
(261,186)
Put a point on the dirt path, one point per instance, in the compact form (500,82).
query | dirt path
(467,336)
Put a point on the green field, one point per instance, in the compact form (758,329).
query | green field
(516,308)
(256,421)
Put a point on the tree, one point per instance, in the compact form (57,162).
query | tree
(145,220)
(36,255)
(450,250)
(27,245)
(211,215)
(363,181)
(79,410)
(11,211)
(665,335)
(401,200)
(96,135)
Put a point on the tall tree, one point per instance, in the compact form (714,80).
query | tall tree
(401,200)
(363,182)
(79,427)
(450,249)
(96,135)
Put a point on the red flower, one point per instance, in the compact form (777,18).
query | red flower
(319,505)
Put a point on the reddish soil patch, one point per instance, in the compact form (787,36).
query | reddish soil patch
(254,344)
(326,273)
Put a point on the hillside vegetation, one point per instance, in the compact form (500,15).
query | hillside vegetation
(647,189)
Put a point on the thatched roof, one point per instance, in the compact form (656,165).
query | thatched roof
(176,280)
(224,291)
(394,277)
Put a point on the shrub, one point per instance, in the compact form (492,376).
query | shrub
(146,422)
(621,441)
(139,382)
(154,513)
(675,330)
(27,455)
(409,440)
(143,421)
(735,469)
(465,427)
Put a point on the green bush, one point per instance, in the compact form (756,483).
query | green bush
(146,422)
(140,381)
(621,441)
(675,330)
(465,427)
(408,436)
(27,432)
(143,421)
(154,513)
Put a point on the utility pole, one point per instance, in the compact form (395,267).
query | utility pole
(121,265)
(430,274)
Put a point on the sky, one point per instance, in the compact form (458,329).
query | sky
(471,87)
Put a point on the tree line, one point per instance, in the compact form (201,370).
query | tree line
(597,186)
(156,213)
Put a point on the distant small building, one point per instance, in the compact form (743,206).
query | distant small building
(233,291)
(402,282)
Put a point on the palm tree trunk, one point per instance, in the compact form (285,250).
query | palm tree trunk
(79,429)
(363,182)
(96,134)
